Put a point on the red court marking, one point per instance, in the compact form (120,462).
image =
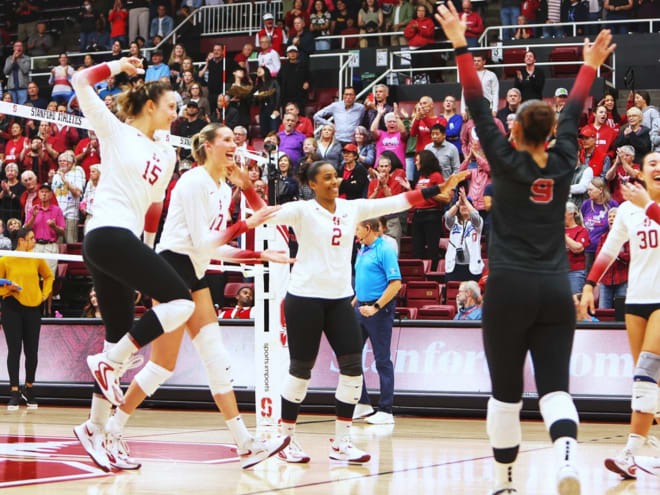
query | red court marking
(28,460)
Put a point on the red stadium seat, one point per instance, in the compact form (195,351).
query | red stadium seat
(439,274)
(422,293)
(412,269)
(405,247)
(436,312)
(605,315)
(564,54)
(407,313)
(513,56)
(76,268)
(325,96)
(452,291)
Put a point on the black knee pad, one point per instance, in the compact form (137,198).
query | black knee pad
(350,364)
(301,369)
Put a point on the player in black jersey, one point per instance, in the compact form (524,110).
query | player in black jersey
(528,304)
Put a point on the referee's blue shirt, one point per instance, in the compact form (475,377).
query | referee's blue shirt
(376,266)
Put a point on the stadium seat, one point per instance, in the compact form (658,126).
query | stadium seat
(452,291)
(413,269)
(405,247)
(605,315)
(325,96)
(564,54)
(438,275)
(513,56)
(406,313)
(422,293)
(436,312)
(76,268)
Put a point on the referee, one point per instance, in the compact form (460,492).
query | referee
(377,282)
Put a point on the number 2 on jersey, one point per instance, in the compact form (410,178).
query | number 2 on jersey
(151,173)
(542,191)
(336,236)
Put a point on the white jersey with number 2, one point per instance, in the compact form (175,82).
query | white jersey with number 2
(325,242)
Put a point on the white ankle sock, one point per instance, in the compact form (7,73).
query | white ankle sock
(123,350)
(565,449)
(117,421)
(503,474)
(342,428)
(635,442)
(100,411)
(288,429)
(238,431)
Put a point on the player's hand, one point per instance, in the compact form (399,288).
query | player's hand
(262,215)
(452,24)
(239,176)
(131,66)
(276,256)
(595,55)
(587,305)
(453,181)
(636,194)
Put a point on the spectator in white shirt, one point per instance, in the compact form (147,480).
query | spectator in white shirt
(268,57)
(489,84)
(68,184)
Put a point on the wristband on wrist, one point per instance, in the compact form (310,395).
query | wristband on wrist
(591,283)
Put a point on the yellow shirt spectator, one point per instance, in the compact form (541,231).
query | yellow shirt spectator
(25,273)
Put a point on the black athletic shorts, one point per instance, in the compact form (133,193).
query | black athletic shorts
(642,310)
(184,267)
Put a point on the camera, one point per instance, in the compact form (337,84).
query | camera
(270,147)
(460,255)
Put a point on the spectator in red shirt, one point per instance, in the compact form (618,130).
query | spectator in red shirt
(577,238)
(473,22)
(63,137)
(243,56)
(424,118)
(16,144)
(605,134)
(118,18)
(37,160)
(420,32)
(387,183)
(590,154)
(614,120)
(244,305)
(275,34)
(615,281)
(623,169)
(88,153)
(427,218)
(298,10)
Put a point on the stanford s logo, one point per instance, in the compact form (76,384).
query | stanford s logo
(266,407)
(542,191)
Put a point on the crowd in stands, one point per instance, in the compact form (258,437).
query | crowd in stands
(380,147)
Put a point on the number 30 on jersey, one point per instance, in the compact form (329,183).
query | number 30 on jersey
(542,191)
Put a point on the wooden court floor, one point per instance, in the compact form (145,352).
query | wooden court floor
(189,452)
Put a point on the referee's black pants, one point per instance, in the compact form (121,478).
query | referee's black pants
(527,312)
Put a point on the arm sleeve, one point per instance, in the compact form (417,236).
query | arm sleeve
(373,208)
(450,220)
(615,240)
(320,116)
(235,255)
(567,127)
(104,122)
(653,212)
(582,186)
(476,221)
(495,144)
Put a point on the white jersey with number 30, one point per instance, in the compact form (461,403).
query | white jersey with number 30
(325,242)
(632,224)
(135,170)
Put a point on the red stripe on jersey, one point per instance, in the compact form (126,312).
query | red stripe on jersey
(469,78)
(284,232)
(152,218)
(600,266)
(253,199)
(415,197)
(653,212)
(96,73)
(583,82)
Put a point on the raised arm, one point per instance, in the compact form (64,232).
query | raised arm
(104,122)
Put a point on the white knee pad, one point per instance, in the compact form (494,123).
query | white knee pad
(173,314)
(644,397)
(295,389)
(211,350)
(557,406)
(503,423)
(151,377)
(349,389)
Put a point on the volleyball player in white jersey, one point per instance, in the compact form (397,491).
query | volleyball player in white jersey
(319,297)
(198,210)
(139,167)
(638,222)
